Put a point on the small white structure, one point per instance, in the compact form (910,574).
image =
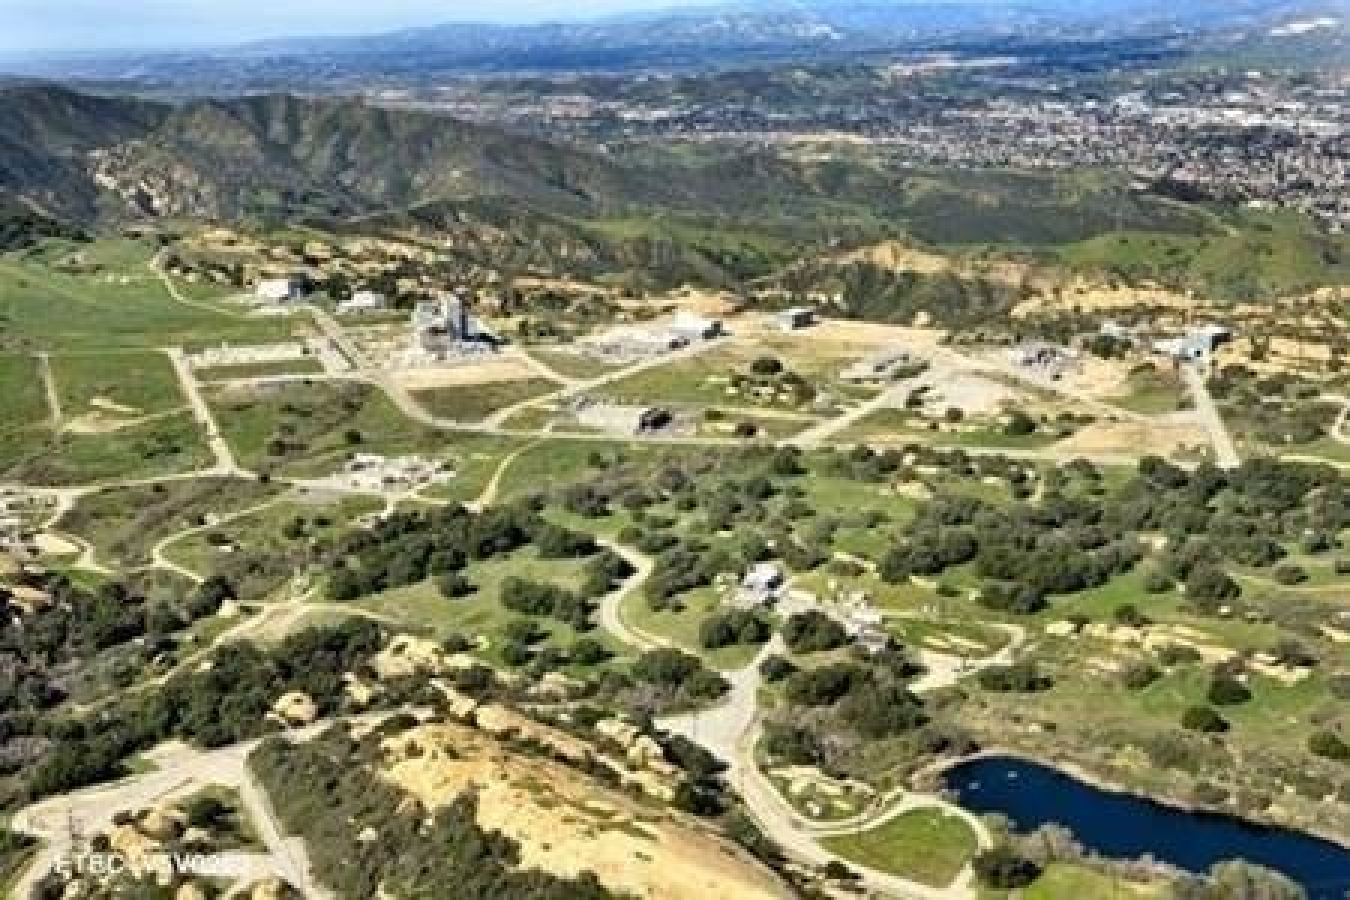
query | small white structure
(280,291)
(363,303)
(373,472)
(760,586)
(796,318)
(1197,344)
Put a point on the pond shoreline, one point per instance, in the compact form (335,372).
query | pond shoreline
(1079,773)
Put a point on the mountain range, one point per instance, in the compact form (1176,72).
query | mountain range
(684,38)
(83,158)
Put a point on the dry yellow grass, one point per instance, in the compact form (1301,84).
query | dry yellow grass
(566,824)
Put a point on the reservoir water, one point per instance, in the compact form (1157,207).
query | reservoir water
(1125,826)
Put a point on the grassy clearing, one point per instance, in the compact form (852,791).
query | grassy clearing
(722,423)
(700,379)
(125,523)
(681,626)
(422,607)
(24,415)
(23,402)
(925,845)
(281,368)
(1064,881)
(473,403)
(168,445)
(143,383)
(903,425)
(1153,391)
(556,462)
(477,459)
(110,299)
(262,551)
(1265,252)
(573,365)
(958,638)
(308,428)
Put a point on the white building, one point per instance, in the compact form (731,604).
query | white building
(760,586)
(796,318)
(363,302)
(1197,344)
(280,290)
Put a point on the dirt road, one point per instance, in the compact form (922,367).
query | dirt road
(1225,450)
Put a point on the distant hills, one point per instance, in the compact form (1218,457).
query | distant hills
(691,38)
(803,23)
(77,156)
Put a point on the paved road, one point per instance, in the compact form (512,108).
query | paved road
(1225,451)
(181,771)
(611,605)
(731,730)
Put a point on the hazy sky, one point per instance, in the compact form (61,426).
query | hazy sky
(93,24)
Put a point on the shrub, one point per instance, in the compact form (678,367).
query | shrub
(1329,745)
(823,686)
(1178,655)
(1128,614)
(775,668)
(1226,690)
(1021,677)
(1290,574)
(813,631)
(1207,586)
(1004,869)
(1139,675)
(1011,598)
(1156,582)
(454,585)
(733,627)
(588,651)
(1203,719)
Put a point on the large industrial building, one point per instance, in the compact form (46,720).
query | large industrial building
(442,329)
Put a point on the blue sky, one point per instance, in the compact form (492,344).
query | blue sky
(29,25)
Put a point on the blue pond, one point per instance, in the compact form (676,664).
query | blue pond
(1124,826)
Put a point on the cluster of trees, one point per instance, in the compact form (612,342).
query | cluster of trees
(532,598)
(214,705)
(84,642)
(677,678)
(1066,543)
(1004,869)
(409,547)
(768,373)
(869,700)
(1019,677)
(734,626)
(1238,879)
(879,294)
(813,631)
